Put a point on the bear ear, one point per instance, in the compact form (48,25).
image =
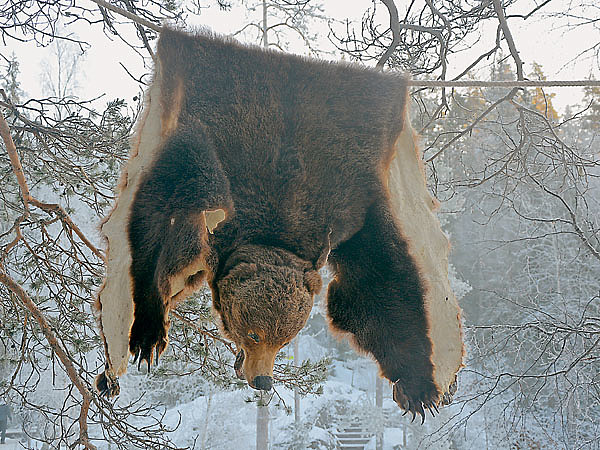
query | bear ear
(312,281)
(244,270)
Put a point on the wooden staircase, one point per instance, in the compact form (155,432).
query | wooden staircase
(354,437)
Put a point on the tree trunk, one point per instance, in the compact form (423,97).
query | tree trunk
(264,24)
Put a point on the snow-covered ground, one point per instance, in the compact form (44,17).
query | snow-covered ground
(225,420)
(13,443)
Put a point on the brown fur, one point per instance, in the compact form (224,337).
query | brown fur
(296,152)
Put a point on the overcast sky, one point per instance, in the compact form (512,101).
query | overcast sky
(540,41)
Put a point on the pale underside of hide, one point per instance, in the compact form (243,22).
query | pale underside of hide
(116,295)
(414,208)
(115,298)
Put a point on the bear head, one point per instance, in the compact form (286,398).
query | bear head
(263,298)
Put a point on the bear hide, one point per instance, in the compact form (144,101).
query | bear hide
(251,170)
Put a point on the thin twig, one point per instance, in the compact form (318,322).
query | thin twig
(509,39)
(16,289)
(573,220)
(28,199)
(468,130)
(395,27)
(203,331)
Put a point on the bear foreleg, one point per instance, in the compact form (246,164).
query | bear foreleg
(168,233)
(377,296)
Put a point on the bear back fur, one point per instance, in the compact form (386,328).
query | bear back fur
(302,165)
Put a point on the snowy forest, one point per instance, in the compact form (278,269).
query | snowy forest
(516,170)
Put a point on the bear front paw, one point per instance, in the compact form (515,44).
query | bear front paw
(147,341)
(416,396)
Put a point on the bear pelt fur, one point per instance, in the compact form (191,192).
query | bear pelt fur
(293,156)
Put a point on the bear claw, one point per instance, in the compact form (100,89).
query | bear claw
(135,357)
(447,397)
(413,405)
(425,400)
(145,353)
(147,344)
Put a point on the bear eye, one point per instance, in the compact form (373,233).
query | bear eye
(252,335)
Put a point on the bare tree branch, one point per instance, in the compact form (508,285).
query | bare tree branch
(394,26)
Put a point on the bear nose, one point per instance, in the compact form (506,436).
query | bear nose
(264,383)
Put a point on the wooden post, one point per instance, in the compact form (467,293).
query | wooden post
(296,393)
(262,423)
(206,420)
(379,405)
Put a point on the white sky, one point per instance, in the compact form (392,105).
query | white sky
(102,74)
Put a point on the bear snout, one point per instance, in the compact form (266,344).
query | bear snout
(257,366)
(262,383)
